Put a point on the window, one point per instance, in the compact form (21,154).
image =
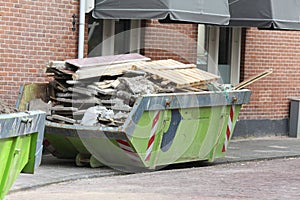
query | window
(202,47)
(112,37)
(219,52)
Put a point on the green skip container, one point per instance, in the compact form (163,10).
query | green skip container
(21,137)
(162,129)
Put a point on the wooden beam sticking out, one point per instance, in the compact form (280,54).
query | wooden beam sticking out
(252,79)
(64,119)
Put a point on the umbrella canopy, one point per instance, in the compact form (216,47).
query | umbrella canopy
(195,11)
(271,14)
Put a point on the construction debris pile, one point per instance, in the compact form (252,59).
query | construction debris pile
(102,90)
(5,108)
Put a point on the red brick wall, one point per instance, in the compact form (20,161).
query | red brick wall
(34,32)
(31,34)
(171,41)
(277,50)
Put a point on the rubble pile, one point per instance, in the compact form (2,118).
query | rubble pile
(5,108)
(102,90)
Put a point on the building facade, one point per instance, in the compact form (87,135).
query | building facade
(32,33)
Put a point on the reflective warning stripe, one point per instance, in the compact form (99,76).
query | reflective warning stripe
(229,128)
(49,147)
(152,136)
(125,146)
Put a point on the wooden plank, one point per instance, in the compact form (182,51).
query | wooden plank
(79,113)
(104,84)
(92,100)
(179,73)
(66,95)
(107,91)
(164,74)
(106,60)
(110,101)
(110,70)
(131,73)
(110,122)
(115,83)
(82,90)
(58,87)
(50,118)
(190,89)
(63,108)
(60,72)
(252,79)
(199,75)
(187,66)
(165,64)
(64,119)
(182,78)
(57,64)
(72,82)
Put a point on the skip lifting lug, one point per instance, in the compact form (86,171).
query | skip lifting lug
(26,120)
(167,103)
(234,99)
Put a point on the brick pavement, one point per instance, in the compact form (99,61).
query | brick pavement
(265,179)
(54,171)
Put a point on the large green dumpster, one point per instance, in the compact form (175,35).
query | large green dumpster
(21,137)
(161,129)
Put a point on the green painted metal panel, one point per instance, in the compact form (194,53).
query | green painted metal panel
(60,146)
(21,136)
(161,129)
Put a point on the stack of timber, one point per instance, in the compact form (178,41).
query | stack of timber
(107,87)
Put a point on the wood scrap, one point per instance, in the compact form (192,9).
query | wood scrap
(66,95)
(107,91)
(91,100)
(182,75)
(64,119)
(96,62)
(58,86)
(62,108)
(104,84)
(82,90)
(73,82)
(114,85)
(107,70)
(252,79)
(57,64)
(132,73)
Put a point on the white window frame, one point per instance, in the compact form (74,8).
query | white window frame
(213,52)
(109,34)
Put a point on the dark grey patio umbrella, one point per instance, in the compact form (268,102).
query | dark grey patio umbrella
(196,11)
(270,14)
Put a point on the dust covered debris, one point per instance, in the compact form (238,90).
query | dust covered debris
(5,108)
(102,90)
